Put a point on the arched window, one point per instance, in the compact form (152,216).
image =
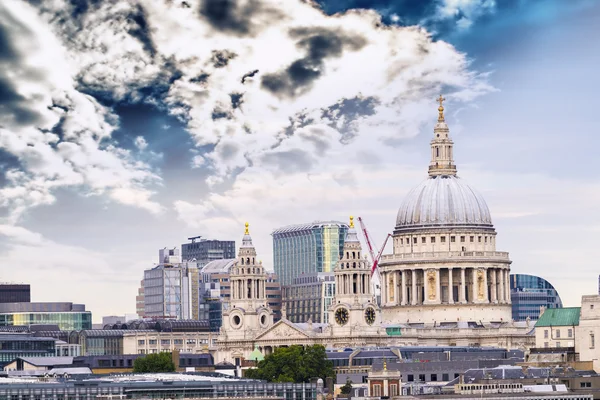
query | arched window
(353,265)
(242,261)
(353,254)
(248,260)
(437,151)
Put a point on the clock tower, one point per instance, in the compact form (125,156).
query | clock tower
(248,313)
(354,306)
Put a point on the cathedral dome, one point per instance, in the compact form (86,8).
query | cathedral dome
(443,201)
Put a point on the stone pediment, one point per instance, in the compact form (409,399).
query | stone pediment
(282,330)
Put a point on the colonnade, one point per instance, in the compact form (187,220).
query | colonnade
(449,285)
(248,289)
(353,283)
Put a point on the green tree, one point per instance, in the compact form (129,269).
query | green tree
(293,364)
(347,388)
(159,362)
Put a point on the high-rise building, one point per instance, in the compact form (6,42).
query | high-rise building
(171,288)
(529,294)
(307,248)
(139,301)
(15,293)
(204,251)
(309,297)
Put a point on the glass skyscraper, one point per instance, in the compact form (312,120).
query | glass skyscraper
(528,293)
(307,248)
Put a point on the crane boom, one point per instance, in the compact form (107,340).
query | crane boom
(367,239)
(376,262)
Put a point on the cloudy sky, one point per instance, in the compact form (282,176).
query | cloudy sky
(130,125)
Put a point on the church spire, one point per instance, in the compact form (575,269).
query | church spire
(442,163)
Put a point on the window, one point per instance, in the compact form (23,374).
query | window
(445,377)
(410,378)
(472,239)
(462,239)
(592,341)
(570,332)
(591,306)
(443,239)
(376,390)
(558,333)
(585,384)
(165,342)
(479,239)
(485,239)
(422,378)
(452,239)
(557,344)
(415,240)
(433,239)
(545,333)
(141,342)
(423,239)
(177,341)
(393,390)
(142,351)
(433,377)
(401,241)
(152,341)
(545,344)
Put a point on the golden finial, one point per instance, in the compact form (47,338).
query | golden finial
(384,365)
(351,221)
(441,108)
(247,232)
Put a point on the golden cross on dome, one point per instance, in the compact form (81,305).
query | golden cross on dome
(351,221)
(441,108)
(247,232)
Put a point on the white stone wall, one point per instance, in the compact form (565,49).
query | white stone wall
(156,342)
(555,336)
(588,332)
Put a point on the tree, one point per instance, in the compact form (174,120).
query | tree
(293,364)
(159,362)
(347,388)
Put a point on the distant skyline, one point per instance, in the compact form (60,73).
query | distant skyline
(127,126)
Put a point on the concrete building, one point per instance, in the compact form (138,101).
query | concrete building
(171,288)
(139,301)
(67,316)
(530,294)
(307,248)
(15,293)
(204,251)
(309,297)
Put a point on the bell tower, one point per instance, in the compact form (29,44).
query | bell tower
(248,312)
(354,304)
(442,162)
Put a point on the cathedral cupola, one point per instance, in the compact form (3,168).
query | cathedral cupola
(442,162)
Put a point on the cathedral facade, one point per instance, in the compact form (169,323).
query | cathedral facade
(444,284)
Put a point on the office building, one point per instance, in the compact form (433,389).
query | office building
(171,288)
(204,251)
(530,294)
(67,316)
(15,293)
(307,248)
(309,297)
(24,345)
(139,301)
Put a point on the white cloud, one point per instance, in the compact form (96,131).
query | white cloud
(140,143)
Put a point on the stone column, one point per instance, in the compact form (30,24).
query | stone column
(383,288)
(474,288)
(494,298)
(252,288)
(438,276)
(500,274)
(396,294)
(486,290)
(413,299)
(450,287)
(403,302)
(507,287)
(463,284)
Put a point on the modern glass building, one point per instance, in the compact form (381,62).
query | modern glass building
(309,297)
(307,248)
(23,345)
(204,251)
(529,293)
(67,316)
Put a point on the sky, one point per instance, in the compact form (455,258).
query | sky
(127,126)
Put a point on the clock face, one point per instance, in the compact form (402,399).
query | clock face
(370,316)
(341,316)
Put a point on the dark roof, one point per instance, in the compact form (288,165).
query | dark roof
(568,316)
(24,338)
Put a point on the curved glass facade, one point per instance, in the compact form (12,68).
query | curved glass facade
(528,293)
(66,321)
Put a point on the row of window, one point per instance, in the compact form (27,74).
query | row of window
(433,378)
(432,239)
(556,333)
(142,342)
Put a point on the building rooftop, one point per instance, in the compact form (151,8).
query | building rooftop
(303,227)
(47,361)
(219,266)
(568,316)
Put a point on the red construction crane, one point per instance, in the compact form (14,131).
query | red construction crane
(374,257)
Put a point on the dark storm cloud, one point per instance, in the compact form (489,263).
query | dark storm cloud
(140,29)
(220,58)
(319,44)
(231,17)
(202,78)
(82,7)
(349,111)
(219,113)
(236,100)
(8,161)
(249,75)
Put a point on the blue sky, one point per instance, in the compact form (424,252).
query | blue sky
(128,126)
